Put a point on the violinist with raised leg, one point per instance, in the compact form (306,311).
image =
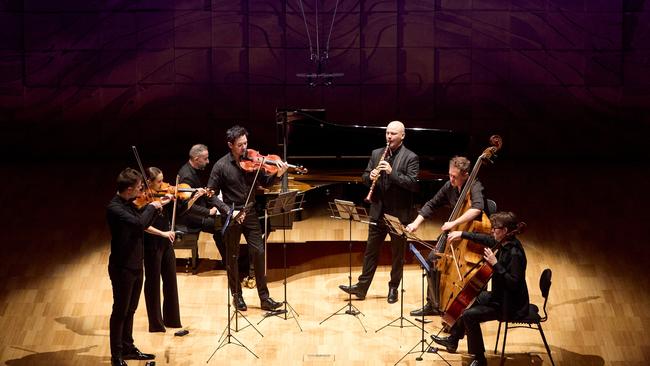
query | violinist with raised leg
(509,296)
(236,179)
(392,174)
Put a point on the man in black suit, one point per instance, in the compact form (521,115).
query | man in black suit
(395,169)
(127,226)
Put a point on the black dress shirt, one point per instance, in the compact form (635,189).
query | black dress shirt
(127,226)
(448,194)
(200,209)
(509,287)
(234,183)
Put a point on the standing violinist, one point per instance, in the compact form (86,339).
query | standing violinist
(509,296)
(395,170)
(237,187)
(448,194)
(127,226)
(160,260)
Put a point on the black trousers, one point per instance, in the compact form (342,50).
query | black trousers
(160,262)
(127,284)
(253,234)
(469,323)
(376,235)
(433,282)
(208,225)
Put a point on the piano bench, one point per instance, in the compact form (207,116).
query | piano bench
(189,241)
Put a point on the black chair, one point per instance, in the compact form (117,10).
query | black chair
(490,207)
(532,321)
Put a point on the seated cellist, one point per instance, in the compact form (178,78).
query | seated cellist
(448,194)
(509,296)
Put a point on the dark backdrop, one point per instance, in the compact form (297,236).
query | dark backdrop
(88,78)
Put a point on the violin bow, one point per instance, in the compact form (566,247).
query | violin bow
(144,176)
(175,202)
(250,191)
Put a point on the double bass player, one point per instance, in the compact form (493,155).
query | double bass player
(448,194)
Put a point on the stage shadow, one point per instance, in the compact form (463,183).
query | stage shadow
(79,325)
(573,302)
(567,357)
(64,357)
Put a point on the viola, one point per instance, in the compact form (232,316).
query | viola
(253,161)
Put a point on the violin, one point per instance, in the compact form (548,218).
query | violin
(253,161)
(184,193)
(146,197)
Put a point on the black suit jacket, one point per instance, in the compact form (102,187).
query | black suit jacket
(393,192)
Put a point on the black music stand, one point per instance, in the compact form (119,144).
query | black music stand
(396,228)
(285,204)
(425,270)
(227,330)
(346,210)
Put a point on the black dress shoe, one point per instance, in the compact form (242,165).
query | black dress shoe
(478,362)
(450,343)
(238,302)
(269,304)
(392,295)
(117,361)
(135,354)
(427,310)
(355,290)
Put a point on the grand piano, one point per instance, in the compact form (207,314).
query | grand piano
(336,154)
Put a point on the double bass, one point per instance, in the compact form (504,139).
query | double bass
(457,261)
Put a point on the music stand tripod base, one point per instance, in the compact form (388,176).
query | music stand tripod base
(283,205)
(346,210)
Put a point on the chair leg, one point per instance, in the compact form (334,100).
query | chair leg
(548,349)
(505,337)
(195,256)
(496,345)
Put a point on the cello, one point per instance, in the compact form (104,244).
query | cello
(457,260)
(475,283)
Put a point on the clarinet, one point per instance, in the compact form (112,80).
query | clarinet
(374,181)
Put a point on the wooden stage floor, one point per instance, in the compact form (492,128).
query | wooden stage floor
(56,296)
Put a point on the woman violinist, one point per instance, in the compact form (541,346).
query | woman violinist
(160,261)
(509,296)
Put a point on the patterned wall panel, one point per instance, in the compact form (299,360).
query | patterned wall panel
(77,74)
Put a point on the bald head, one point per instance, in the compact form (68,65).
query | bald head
(395,134)
(396,125)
